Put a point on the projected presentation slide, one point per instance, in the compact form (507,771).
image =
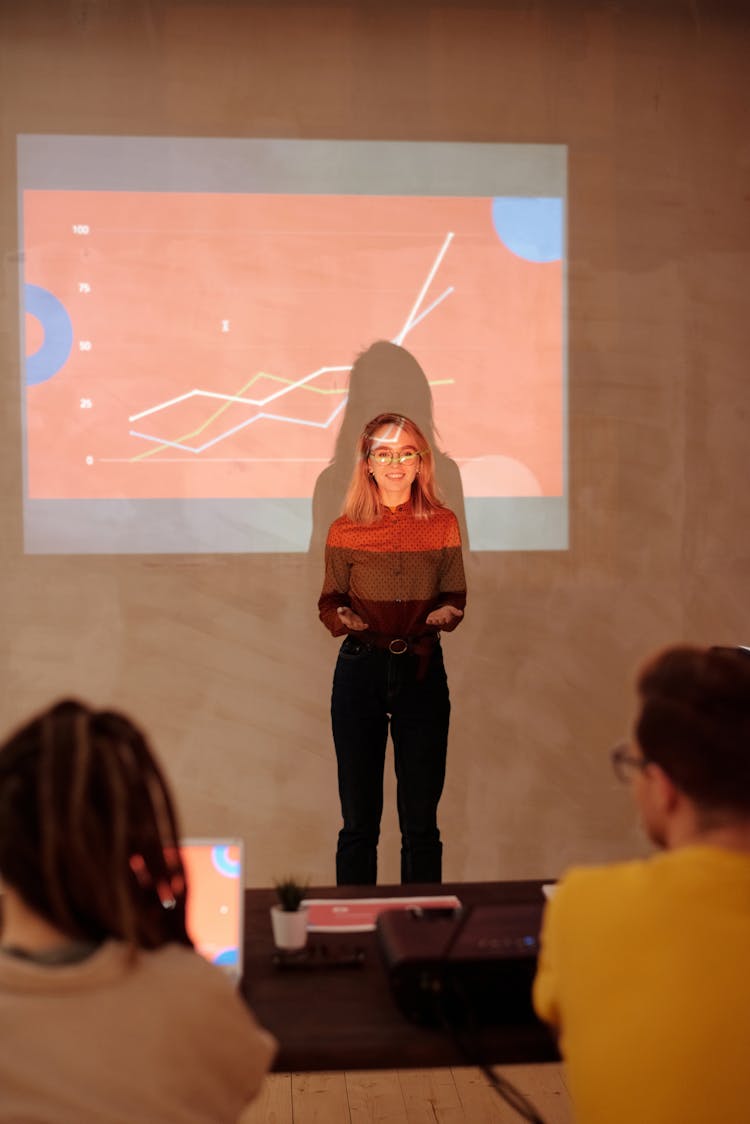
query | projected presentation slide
(191,311)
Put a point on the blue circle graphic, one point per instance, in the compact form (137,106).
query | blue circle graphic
(531,228)
(228,956)
(225,865)
(58,334)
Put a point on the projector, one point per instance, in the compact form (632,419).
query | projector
(462,967)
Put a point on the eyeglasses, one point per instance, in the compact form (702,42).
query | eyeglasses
(624,763)
(385,457)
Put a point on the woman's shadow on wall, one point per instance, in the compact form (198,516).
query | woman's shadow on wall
(384,378)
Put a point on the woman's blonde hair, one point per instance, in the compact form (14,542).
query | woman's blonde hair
(363,503)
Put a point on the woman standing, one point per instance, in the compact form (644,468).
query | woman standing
(394,580)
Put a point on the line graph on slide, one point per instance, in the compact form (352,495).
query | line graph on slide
(188,345)
(415,316)
(164,443)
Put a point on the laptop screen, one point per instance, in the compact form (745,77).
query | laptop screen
(215,877)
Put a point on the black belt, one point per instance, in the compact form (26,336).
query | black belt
(399,645)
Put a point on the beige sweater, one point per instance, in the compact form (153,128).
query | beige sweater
(105,1042)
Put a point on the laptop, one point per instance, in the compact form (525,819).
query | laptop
(216,892)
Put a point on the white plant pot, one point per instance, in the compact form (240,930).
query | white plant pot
(289,927)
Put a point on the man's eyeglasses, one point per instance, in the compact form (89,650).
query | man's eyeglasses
(625,763)
(385,457)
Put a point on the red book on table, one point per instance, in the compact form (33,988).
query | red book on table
(358,915)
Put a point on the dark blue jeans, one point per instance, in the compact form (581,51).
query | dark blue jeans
(373,689)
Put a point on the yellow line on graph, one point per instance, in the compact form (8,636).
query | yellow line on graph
(321,389)
(225,406)
(305,386)
(194,433)
(332,389)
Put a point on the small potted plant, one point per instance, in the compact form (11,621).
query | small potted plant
(289,916)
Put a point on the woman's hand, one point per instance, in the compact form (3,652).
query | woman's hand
(350,619)
(444,615)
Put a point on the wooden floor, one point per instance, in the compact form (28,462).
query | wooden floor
(408,1096)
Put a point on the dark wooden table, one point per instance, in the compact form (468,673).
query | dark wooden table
(346,1018)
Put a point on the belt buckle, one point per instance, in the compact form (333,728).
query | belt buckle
(401,649)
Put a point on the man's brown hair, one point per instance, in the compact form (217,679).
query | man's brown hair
(695,723)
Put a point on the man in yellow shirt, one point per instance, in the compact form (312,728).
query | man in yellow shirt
(645,966)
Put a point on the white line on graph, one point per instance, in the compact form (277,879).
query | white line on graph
(407,326)
(414,318)
(237,397)
(427,311)
(237,428)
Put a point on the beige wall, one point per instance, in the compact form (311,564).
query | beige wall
(222,658)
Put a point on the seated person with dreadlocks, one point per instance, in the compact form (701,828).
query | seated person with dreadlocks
(645,966)
(107,1014)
